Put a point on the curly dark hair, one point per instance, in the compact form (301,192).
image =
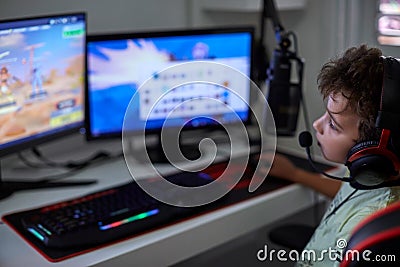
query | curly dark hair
(358,76)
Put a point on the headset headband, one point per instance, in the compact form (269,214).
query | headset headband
(389,113)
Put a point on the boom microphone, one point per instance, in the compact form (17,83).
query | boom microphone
(305,140)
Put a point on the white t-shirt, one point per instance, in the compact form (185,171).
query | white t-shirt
(325,248)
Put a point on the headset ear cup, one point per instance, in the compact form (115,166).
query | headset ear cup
(357,166)
(370,170)
(360,146)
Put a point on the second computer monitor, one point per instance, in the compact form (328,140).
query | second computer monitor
(118,64)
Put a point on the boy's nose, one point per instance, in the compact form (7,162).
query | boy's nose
(317,125)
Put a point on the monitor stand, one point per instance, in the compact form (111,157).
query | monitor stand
(7,188)
(157,155)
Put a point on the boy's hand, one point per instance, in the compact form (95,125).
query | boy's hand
(281,167)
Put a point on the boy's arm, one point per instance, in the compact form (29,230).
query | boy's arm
(316,181)
(283,168)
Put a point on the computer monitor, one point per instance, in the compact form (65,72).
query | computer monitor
(118,64)
(42,79)
(42,71)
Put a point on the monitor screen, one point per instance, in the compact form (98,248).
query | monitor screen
(42,76)
(119,64)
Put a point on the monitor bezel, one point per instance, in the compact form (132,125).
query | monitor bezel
(53,134)
(164,33)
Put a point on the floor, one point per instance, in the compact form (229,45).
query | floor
(243,251)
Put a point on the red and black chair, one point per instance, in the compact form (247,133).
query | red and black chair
(375,241)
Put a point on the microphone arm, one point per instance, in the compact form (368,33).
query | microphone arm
(268,11)
(281,36)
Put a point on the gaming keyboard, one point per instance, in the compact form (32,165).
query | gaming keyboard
(125,211)
(106,215)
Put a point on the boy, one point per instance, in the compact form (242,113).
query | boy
(352,86)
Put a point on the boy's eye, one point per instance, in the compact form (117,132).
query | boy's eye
(332,125)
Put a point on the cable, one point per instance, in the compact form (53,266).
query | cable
(71,165)
(56,177)
(341,204)
(72,169)
(46,161)
(30,163)
(101,155)
(308,128)
(315,194)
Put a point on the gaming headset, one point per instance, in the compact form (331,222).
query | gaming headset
(372,163)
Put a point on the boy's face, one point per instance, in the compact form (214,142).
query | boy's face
(337,129)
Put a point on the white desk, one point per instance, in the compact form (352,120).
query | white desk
(162,247)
